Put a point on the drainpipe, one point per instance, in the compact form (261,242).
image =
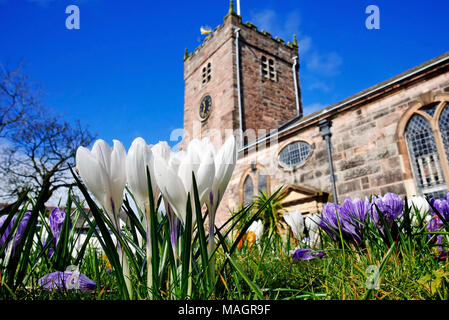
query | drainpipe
(295,75)
(325,129)
(239,94)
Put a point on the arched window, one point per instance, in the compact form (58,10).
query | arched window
(427,139)
(248,189)
(253,181)
(263,184)
(444,128)
(424,155)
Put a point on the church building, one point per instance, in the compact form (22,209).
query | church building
(391,137)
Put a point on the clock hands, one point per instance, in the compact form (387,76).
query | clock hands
(205,107)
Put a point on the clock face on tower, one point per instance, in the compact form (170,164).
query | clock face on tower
(205,107)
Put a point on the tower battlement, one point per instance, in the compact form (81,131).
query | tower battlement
(290,45)
(240,79)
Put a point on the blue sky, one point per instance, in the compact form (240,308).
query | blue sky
(122,72)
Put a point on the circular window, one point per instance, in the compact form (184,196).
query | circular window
(294,154)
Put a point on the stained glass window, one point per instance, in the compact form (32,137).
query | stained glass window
(248,189)
(424,156)
(254,182)
(295,154)
(263,186)
(430,109)
(444,128)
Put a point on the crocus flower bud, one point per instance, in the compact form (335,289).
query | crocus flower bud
(20,229)
(56,219)
(296,222)
(103,170)
(67,280)
(174,177)
(139,158)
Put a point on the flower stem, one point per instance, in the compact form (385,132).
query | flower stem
(125,269)
(211,249)
(149,256)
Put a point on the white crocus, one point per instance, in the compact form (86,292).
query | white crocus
(257,228)
(421,205)
(311,222)
(174,177)
(139,158)
(225,160)
(296,222)
(103,170)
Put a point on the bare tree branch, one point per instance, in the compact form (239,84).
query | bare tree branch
(39,145)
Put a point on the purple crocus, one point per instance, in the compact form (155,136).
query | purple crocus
(435,225)
(329,222)
(356,208)
(442,206)
(306,254)
(390,206)
(173,223)
(56,219)
(20,229)
(67,280)
(351,229)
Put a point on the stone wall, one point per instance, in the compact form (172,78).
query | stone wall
(267,104)
(369,157)
(219,51)
(365,150)
(365,146)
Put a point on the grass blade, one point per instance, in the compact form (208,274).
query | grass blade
(201,233)
(109,246)
(251,284)
(186,249)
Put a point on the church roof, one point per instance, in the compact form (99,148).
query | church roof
(364,96)
(380,86)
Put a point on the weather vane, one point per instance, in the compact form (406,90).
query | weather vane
(206,30)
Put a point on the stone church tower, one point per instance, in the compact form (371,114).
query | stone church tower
(391,137)
(240,80)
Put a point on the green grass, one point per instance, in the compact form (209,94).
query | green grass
(272,270)
(408,267)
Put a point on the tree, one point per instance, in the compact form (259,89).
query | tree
(40,146)
(17,101)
